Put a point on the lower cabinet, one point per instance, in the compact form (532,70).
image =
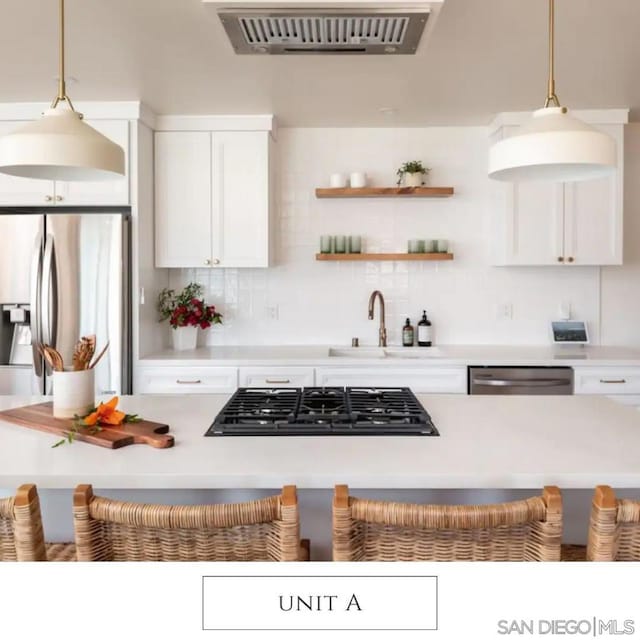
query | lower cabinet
(610,381)
(186,380)
(276,377)
(419,380)
(621,384)
(177,379)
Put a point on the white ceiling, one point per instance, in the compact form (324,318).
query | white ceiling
(484,56)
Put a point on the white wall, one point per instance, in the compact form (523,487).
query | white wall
(325,303)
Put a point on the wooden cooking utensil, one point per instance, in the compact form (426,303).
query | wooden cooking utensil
(91,348)
(77,360)
(45,354)
(99,356)
(52,357)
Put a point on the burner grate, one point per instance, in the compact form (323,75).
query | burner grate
(323,411)
(260,406)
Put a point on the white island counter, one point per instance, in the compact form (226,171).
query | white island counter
(520,442)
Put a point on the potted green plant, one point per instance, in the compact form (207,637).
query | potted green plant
(412,174)
(186,311)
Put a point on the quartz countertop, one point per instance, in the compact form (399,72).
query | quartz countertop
(470,355)
(485,442)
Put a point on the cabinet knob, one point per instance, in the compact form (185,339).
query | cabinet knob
(570,259)
(560,259)
(48,198)
(207,262)
(59,198)
(216,261)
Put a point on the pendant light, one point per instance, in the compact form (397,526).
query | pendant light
(60,145)
(553,145)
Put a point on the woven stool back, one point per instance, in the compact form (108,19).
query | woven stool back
(21,533)
(614,529)
(266,529)
(368,530)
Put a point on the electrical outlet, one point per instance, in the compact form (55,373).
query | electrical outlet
(564,310)
(272,312)
(504,311)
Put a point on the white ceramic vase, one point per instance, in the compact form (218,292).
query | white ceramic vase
(413,179)
(73,393)
(184,338)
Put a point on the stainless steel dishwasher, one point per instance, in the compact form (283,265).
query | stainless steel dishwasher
(521,381)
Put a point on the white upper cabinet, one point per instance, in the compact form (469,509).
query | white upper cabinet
(576,223)
(29,192)
(212,199)
(183,198)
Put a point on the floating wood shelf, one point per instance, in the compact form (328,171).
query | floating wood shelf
(387,192)
(382,256)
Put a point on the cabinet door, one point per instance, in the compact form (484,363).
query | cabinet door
(103,192)
(241,199)
(276,376)
(594,215)
(186,380)
(23,191)
(607,380)
(423,380)
(183,198)
(534,226)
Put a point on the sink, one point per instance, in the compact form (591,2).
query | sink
(357,352)
(414,352)
(383,352)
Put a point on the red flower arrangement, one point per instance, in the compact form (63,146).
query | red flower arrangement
(187,309)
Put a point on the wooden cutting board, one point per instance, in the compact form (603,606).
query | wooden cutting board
(40,417)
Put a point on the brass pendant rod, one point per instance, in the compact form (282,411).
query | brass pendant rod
(551,87)
(62,88)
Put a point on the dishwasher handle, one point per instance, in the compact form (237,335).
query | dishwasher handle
(537,382)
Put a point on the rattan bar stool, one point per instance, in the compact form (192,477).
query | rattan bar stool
(614,529)
(21,532)
(366,530)
(261,530)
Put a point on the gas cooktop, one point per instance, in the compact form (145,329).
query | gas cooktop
(331,411)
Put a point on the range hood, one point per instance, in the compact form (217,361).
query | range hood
(289,28)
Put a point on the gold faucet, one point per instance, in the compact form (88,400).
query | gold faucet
(382,332)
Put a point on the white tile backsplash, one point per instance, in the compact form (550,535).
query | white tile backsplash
(326,302)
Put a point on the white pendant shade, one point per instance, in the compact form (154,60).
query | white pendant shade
(553,146)
(60,146)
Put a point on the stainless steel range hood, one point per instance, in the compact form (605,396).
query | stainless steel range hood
(283,29)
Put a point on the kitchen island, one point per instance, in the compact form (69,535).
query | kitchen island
(486,442)
(491,449)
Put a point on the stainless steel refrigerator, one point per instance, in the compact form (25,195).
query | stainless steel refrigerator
(65,274)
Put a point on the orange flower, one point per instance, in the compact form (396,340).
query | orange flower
(106,414)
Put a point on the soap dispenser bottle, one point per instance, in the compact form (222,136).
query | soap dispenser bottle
(407,334)
(424,331)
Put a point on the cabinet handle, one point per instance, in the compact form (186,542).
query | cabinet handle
(277,381)
(621,381)
(560,259)
(216,261)
(570,259)
(207,262)
(59,198)
(189,381)
(48,198)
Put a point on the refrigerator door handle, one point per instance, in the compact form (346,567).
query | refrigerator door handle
(35,306)
(50,297)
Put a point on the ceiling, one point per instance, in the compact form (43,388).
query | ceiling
(483,57)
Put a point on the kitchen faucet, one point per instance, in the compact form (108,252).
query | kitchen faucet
(382,331)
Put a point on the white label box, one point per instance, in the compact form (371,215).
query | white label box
(332,603)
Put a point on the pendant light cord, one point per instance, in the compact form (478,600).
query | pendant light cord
(551,88)
(62,88)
